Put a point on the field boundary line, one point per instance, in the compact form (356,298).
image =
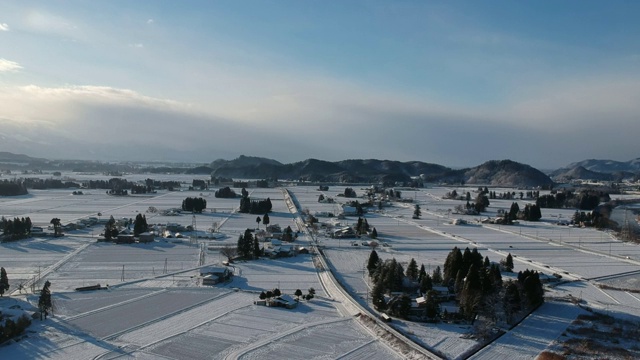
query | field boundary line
(105,308)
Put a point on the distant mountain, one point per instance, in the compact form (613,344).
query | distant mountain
(502,173)
(496,173)
(599,170)
(11,157)
(580,173)
(608,166)
(242,161)
(493,173)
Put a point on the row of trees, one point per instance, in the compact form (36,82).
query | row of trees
(43,184)
(248,246)
(111,229)
(248,206)
(349,192)
(140,225)
(531,212)
(12,188)
(194,204)
(583,200)
(591,218)
(476,282)
(17,228)
(512,195)
(226,193)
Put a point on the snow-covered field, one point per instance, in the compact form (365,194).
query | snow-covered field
(156,308)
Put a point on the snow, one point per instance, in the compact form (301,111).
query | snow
(533,335)
(161,310)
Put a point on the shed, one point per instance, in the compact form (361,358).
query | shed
(146,237)
(125,239)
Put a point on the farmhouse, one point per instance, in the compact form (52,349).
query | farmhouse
(285,301)
(344,233)
(349,210)
(146,237)
(212,275)
(125,239)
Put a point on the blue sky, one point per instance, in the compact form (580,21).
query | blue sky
(456,83)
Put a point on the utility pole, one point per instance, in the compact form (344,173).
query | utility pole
(194,231)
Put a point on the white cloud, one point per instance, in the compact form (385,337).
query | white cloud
(4,27)
(150,21)
(7,65)
(136,45)
(329,119)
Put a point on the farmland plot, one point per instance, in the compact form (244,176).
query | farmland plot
(124,316)
(26,258)
(533,335)
(237,324)
(103,263)
(323,341)
(287,274)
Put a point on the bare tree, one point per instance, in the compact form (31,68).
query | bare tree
(229,251)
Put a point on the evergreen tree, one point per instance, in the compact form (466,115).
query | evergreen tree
(431,309)
(486,263)
(258,220)
(471,296)
(437,275)
(110,229)
(140,225)
(452,264)
(467,260)
(398,276)
(422,273)
(4,281)
(404,306)
(482,202)
(412,270)
(57,226)
(265,220)
(426,284)
(533,290)
(359,226)
(511,300)
(508,263)
(377,295)
(459,283)
(374,233)
(513,212)
(373,263)
(416,212)
(44,302)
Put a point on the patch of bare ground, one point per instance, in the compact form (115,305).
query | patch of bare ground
(596,336)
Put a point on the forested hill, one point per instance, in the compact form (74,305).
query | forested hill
(496,173)
(601,170)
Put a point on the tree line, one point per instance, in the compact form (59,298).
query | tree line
(475,282)
(43,184)
(18,228)
(248,206)
(583,200)
(194,204)
(225,193)
(11,328)
(12,188)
